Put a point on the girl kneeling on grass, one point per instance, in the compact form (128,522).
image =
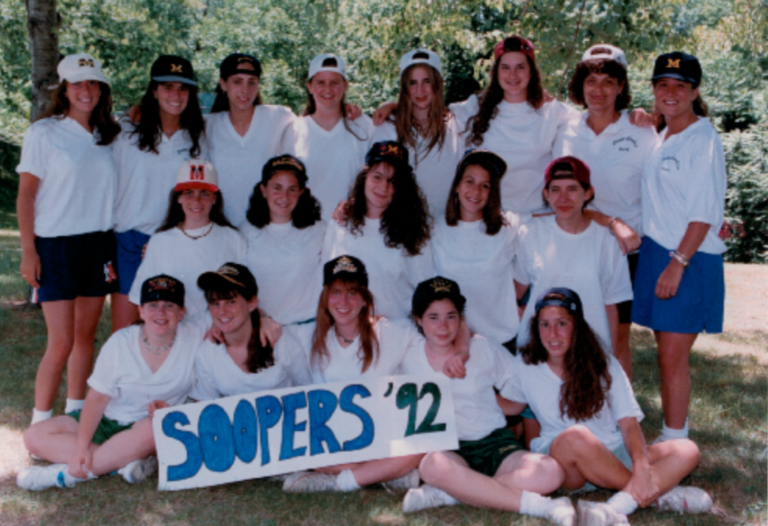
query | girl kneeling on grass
(490,469)
(140,369)
(243,364)
(348,343)
(590,419)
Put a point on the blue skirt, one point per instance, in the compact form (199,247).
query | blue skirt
(700,300)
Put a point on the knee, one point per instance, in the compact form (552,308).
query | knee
(435,467)
(571,443)
(689,452)
(32,437)
(59,347)
(550,472)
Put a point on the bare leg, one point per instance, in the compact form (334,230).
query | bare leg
(672,461)
(532,429)
(124,313)
(385,469)
(54,440)
(132,444)
(521,471)
(60,322)
(674,349)
(87,313)
(585,459)
(622,352)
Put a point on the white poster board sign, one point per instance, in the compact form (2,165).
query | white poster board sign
(298,428)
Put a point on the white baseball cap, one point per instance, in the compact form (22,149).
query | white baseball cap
(196,174)
(420,56)
(605,52)
(80,67)
(316,66)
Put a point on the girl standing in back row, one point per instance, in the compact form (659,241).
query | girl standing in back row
(67,183)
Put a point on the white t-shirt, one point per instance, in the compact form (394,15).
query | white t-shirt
(539,387)
(394,336)
(239,160)
(78,178)
(218,375)
(616,159)
(435,170)
(122,373)
(589,263)
(146,179)
(523,137)
(685,181)
(474,399)
(286,263)
(333,158)
(482,266)
(174,254)
(392,273)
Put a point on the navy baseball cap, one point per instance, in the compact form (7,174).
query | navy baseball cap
(678,65)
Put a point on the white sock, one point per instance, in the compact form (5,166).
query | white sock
(39,416)
(346,481)
(534,504)
(73,405)
(672,434)
(623,503)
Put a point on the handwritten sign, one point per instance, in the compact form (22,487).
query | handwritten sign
(286,430)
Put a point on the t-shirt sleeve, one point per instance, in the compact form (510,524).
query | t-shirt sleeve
(105,372)
(519,270)
(34,151)
(329,240)
(620,396)
(288,140)
(614,277)
(204,387)
(463,111)
(240,248)
(422,266)
(507,369)
(294,359)
(705,199)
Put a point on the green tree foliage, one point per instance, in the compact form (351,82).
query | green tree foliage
(729,36)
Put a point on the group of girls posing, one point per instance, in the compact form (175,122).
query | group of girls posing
(68,250)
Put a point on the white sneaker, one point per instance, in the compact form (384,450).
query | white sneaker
(562,512)
(309,482)
(139,470)
(37,478)
(426,497)
(685,499)
(406,482)
(599,514)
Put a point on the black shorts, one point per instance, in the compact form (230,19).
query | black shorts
(487,454)
(625,307)
(77,266)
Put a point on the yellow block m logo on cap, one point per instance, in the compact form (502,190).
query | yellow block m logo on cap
(177,68)
(673,63)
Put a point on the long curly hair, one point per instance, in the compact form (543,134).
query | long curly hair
(587,379)
(260,356)
(600,66)
(175,215)
(369,344)
(306,213)
(405,222)
(492,216)
(149,127)
(101,120)
(491,96)
(406,125)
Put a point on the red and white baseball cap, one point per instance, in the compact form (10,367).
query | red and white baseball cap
(197,174)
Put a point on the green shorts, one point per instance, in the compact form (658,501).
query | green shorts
(487,454)
(106,430)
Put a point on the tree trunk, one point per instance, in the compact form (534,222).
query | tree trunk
(44,49)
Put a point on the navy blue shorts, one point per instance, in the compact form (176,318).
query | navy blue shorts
(625,307)
(76,266)
(700,300)
(130,246)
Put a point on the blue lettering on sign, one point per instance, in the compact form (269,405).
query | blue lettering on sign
(245,428)
(322,404)
(216,439)
(346,402)
(269,410)
(291,403)
(194,456)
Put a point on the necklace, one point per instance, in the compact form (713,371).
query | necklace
(197,237)
(151,348)
(342,338)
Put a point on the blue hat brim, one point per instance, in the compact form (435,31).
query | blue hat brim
(174,78)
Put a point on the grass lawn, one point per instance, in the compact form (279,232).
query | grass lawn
(729,409)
